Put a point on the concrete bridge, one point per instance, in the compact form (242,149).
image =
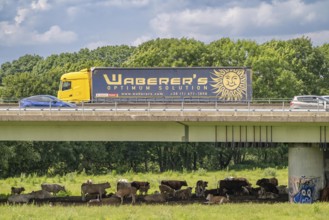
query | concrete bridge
(306,132)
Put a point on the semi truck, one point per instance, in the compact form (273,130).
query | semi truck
(107,84)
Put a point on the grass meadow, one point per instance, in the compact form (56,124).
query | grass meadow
(72,182)
(279,211)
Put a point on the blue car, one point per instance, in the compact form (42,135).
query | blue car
(44,101)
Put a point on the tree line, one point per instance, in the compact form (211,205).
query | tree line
(60,158)
(281,69)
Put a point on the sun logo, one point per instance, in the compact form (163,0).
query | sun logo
(229,84)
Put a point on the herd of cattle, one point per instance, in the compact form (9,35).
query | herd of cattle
(169,190)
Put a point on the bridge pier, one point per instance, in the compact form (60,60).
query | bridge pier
(306,172)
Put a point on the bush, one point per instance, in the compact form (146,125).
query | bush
(270,172)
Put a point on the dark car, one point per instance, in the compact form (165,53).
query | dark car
(44,101)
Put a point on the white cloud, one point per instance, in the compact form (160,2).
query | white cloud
(276,17)
(141,40)
(136,42)
(40,5)
(21,32)
(11,35)
(24,13)
(55,35)
(265,16)
(73,11)
(125,3)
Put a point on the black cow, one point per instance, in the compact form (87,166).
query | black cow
(267,186)
(234,185)
(273,181)
(215,192)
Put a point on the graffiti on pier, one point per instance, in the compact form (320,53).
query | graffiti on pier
(304,189)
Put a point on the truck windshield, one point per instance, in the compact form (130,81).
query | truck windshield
(65,85)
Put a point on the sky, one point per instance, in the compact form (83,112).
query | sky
(46,27)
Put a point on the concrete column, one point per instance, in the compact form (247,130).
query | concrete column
(306,172)
(326,167)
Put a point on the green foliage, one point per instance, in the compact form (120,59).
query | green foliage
(168,53)
(32,75)
(67,159)
(25,63)
(270,172)
(201,172)
(281,69)
(225,52)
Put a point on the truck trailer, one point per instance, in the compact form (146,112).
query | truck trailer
(108,84)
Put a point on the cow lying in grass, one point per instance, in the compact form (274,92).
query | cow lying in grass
(52,188)
(217,199)
(164,189)
(184,194)
(263,194)
(157,197)
(25,198)
(174,184)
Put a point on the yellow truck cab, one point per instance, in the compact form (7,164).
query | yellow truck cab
(75,86)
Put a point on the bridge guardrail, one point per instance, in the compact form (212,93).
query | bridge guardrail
(257,105)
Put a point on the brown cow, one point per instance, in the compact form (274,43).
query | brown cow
(184,194)
(174,184)
(217,199)
(143,187)
(20,198)
(123,183)
(52,187)
(129,192)
(164,189)
(90,188)
(157,197)
(17,190)
(200,188)
(40,194)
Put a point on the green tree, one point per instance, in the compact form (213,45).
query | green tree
(168,53)
(225,52)
(23,64)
